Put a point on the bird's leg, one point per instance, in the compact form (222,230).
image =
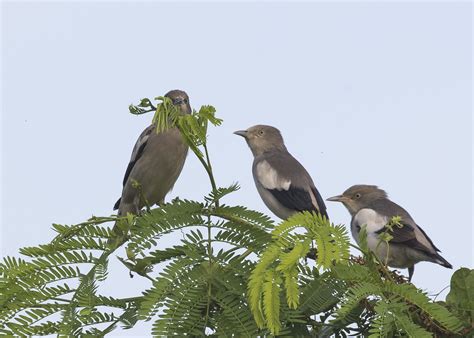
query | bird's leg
(411,270)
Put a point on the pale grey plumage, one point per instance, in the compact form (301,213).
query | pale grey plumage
(370,206)
(282,182)
(156,162)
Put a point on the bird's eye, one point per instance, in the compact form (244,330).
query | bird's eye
(260,132)
(357,195)
(185,100)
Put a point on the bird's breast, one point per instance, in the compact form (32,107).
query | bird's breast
(369,218)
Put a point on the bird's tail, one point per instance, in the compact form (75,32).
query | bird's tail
(443,262)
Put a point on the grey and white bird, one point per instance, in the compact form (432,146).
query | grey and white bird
(156,162)
(282,182)
(370,206)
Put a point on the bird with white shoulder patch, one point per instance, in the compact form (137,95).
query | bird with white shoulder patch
(282,182)
(369,206)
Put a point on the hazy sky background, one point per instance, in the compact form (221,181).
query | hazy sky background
(376,93)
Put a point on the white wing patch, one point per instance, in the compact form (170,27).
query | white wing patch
(313,200)
(143,138)
(269,178)
(371,218)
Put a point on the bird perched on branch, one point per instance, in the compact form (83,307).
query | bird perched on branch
(282,182)
(408,244)
(156,162)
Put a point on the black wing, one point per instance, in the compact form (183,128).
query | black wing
(136,154)
(131,164)
(406,235)
(429,239)
(298,199)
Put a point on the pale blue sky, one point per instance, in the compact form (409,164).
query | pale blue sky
(376,93)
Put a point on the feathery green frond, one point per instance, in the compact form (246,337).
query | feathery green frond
(439,313)
(222,192)
(271,301)
(355,294)
(256,282)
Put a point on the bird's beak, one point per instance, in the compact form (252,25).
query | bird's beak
(338,198)
(242,133)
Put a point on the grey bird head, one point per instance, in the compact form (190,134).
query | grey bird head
(261,138)
(180,99)
(358,197)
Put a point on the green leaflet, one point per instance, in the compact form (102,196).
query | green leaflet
(271,301)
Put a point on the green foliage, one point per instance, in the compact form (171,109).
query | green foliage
(460,299)
(233,273)
(283,258)
(35,298)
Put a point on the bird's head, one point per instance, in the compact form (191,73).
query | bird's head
(358,197)
(180,99)
(261,138)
